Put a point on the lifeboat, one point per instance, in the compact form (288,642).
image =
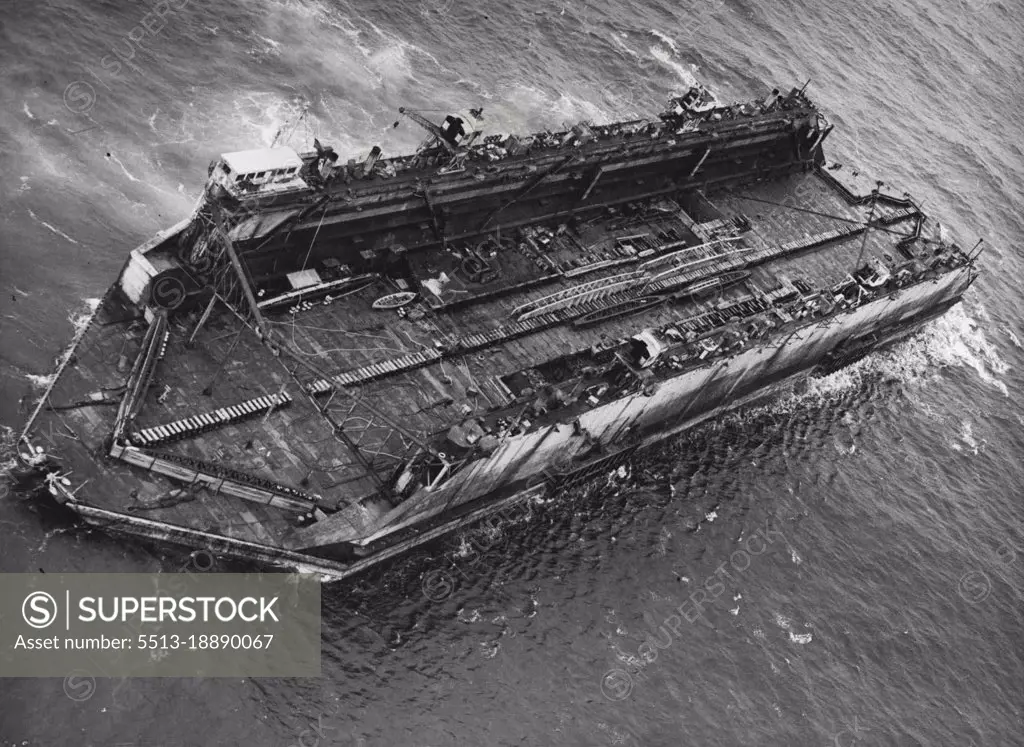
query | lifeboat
(710,285)
(394,300)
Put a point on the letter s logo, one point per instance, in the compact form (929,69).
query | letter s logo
(39,609)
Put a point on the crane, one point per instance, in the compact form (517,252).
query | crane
(430,127)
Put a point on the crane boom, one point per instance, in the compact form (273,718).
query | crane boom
(429,126)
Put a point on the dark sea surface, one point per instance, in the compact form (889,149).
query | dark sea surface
(860,544)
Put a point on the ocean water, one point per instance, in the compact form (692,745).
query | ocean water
(856,548)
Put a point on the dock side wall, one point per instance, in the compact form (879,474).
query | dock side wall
(677,404)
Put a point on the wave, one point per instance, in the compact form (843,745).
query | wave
(79,319)
(953,340)
(667,39)
(683,71)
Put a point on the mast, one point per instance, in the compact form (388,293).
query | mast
(871,217)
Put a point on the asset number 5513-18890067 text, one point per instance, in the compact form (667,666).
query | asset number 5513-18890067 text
(204,641)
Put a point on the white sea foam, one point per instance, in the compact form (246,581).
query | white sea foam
(684,72)
(801,638)
(953,340)
(268,114)
(570,108)
(50,535)
(40,381)
(957,339)
(271,42)
(667,39)
(618,41)
(966,436)
(337,20)
(390,63)
(262,47)
(981,311)
(80,318)
(51,228)
(846,451)
(124,168)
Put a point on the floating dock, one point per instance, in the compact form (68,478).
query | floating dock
(328,363)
